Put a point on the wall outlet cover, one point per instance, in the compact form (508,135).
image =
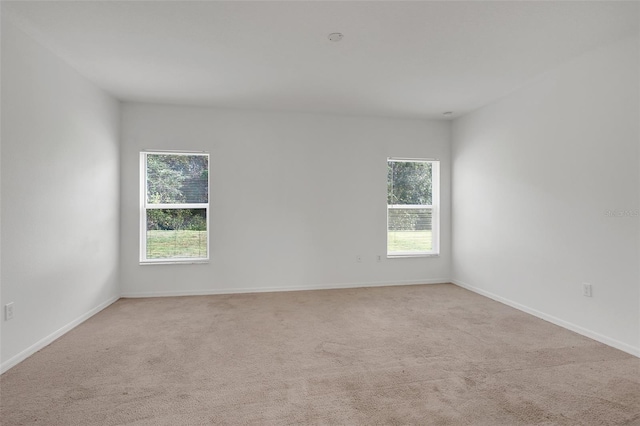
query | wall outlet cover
(8,311)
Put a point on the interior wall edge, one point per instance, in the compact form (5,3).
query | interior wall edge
(26,353)
(552,319)
(262,289)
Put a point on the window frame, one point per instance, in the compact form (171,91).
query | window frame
(144,206)
(434,206)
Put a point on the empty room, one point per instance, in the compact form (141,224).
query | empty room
(320,212)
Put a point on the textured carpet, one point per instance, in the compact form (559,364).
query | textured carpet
(428,355)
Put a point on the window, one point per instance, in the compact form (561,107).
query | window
(174,214)
(412,207)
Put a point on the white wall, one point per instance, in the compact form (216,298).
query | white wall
(60,200)
(534,174)
(294,198)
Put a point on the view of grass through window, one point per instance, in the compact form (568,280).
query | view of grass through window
(180,233)
(177,201)
(409,207)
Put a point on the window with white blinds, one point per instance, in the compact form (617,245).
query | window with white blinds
(174,217)
(412,207)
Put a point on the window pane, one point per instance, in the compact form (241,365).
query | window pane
(409,182)
(177,179)
(409,230)
(176,233)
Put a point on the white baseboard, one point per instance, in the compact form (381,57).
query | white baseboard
(11,362)
(554,320)
(562,323)
(208,292)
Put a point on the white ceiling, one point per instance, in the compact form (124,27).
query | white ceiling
(399,59)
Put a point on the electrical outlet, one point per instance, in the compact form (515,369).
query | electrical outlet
(587,290)
(8,311)
(358,258)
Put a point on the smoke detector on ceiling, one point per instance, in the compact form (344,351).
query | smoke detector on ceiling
(336,37)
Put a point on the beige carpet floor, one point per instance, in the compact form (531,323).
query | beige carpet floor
(425,355)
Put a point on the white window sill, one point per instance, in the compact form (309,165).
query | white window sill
(174,262)
(399,256)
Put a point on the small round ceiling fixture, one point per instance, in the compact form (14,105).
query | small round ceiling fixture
(448,113)
(335,37)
